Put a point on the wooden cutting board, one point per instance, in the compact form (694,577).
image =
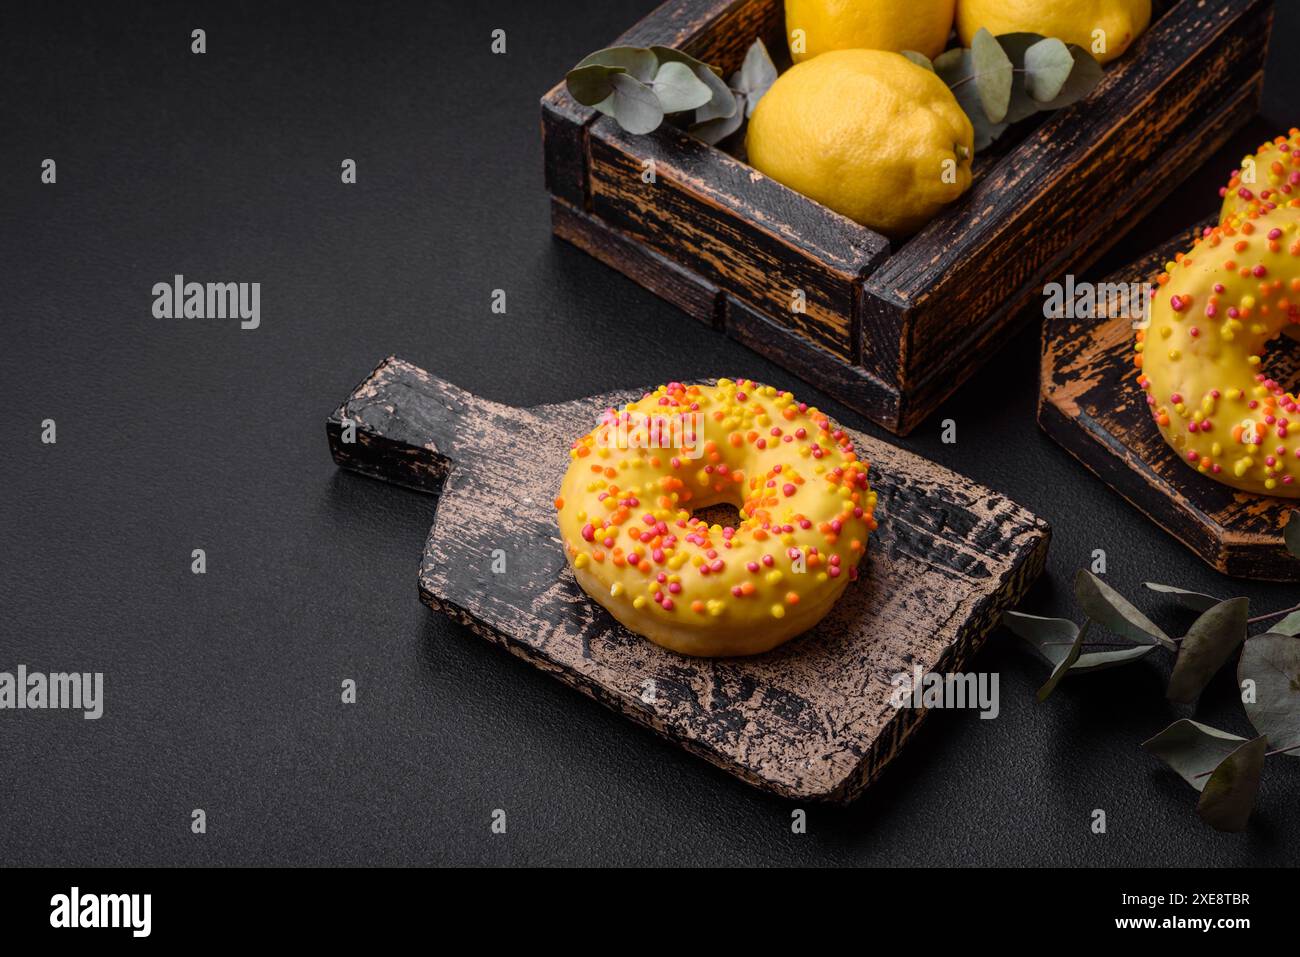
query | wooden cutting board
(1090,402)
(813,718)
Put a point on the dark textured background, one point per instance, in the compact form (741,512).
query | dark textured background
(223,690)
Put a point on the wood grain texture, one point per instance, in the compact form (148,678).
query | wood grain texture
(811,719)
(1091,404)
(734,228)
(921,317)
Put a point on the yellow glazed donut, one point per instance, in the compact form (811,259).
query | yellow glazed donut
(802,494)
(1201,356)
(1268,178)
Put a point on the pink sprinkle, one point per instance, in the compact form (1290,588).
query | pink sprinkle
(789,489)
(589,532)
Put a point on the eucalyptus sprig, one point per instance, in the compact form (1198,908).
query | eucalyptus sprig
(1052,74)
(641,86)
(1225,768)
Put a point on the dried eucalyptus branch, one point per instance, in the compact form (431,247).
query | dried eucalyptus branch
(1268,673)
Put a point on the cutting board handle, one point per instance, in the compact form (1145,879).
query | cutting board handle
(403,425)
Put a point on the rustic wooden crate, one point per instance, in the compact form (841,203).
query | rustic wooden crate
(1090,402)
(891,329)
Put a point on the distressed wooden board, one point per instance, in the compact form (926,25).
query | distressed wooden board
(892,329)
(811,719)
(1091,404)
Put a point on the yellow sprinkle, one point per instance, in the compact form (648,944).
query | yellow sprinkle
(616,589)
(774,576)
(778,611)
(638,602)
(582,560)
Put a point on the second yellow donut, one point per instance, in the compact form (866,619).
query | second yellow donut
(1202,355)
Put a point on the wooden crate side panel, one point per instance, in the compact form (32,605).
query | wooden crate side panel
(1058,185)
(759,241)
(685,290)
(564,146)
(726,41)
(855,387)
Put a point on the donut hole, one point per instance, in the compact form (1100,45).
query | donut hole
(719,513)
(1282,359)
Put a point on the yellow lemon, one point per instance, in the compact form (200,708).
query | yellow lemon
(1106,28)
(869,134)
(815,26)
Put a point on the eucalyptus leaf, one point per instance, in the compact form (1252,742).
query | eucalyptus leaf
(1014,45)
(1193,749)
(1083,79)
(638,61)
(1110,609)
(1101,660)
(1057,640)
(1290,625)
(716,130)
(993,75)
(1291,534)
(1272,662)
(1229,797)
(1188,599)
(920,59)
(1048,64)
(723,103)
(635,106)
(679,89)
(1211,640)
(591,85)
(956,68)
(757,72)
(669,55)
